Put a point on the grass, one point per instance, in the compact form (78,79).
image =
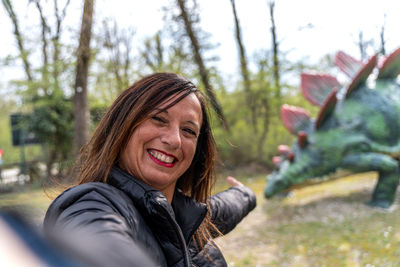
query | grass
(31,202)
(320,225)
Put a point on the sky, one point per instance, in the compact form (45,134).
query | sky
(334,26)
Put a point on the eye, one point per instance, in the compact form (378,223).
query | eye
(158,119)
(190,131)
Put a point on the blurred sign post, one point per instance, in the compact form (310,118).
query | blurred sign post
(21,136)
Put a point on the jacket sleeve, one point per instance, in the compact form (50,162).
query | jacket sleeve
(229,207)
(98,234)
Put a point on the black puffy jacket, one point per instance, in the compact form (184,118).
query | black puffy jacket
(128,213)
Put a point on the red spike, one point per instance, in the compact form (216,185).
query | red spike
(362,75)
(326,109)
(284,150)
(276,160)
(294,118)
(349,65)
(316,87)
(391,66)
(302,139)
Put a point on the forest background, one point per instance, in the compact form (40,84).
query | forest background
(62,63)
(246,80)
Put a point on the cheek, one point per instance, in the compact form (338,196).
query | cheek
(131,151)
(191,150)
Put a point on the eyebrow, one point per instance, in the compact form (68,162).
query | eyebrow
(159,110)
(194,124)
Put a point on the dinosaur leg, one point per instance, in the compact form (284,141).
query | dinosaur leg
(388,170)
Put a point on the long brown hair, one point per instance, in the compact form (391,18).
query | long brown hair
(131,108)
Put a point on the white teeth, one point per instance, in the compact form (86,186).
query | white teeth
(161,157)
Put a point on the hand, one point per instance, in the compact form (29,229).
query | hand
(233,182)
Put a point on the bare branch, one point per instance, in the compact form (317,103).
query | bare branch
(18,36)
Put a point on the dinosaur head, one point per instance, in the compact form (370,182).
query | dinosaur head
(296,165)
(308,156)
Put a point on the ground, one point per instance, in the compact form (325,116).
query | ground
(321,225)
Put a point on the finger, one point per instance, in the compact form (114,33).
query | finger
(233,182)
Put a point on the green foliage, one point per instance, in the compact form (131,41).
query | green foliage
(51,121)
(12,155)
(257,130)
(97,111)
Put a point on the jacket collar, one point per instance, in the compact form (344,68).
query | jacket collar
(154,206)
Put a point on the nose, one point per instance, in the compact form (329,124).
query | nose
(172,137)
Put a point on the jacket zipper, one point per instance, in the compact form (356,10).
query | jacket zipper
(181,238)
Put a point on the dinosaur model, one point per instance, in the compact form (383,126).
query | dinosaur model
(357,128)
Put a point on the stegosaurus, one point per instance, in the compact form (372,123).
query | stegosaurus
(357,128)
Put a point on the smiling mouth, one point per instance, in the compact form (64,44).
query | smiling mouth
(162,159)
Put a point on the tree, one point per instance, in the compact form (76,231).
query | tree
(382,37)
(186,16)
(363,45)
(243,67)
(275,50)
(20,39)
(154,53)
(43,96)
(81,107)
(160,55)
(257,98)
(118,43)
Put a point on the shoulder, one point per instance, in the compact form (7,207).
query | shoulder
(90,191)
(90,196)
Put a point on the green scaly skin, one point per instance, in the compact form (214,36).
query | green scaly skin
(362,134)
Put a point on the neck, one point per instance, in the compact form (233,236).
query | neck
(169,192)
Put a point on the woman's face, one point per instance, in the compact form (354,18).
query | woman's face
(162,148)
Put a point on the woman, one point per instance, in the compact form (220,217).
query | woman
(145,178)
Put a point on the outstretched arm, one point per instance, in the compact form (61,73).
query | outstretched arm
(229,207)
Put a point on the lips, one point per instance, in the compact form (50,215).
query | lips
(162,158)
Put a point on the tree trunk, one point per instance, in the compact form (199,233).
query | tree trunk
(382,37)
(200,63)
(45,67)
(81,108)
(361,45)
(275,50)
(56,42)
(244,69)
